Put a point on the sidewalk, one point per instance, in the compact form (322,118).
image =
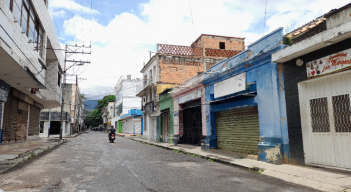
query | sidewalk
(128,135)
(12,154)
(315,178)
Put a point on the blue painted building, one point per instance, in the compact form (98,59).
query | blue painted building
(245,102)
(132,123)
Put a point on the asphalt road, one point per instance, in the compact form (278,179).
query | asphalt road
(89,163)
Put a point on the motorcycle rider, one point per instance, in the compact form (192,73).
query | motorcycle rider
(111,131)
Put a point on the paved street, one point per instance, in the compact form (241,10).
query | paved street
(89,163)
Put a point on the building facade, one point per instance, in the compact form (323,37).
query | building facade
(317,80)
(173,65)
(125,91)
(165,128)
(30,65)
(73,115)
(245,103)
(189,112)
(132,123)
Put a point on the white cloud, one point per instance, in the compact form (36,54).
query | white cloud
(60,13)
(121,47)
(71,5)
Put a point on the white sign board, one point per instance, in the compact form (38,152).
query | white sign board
(329,64)
(229,86)
(189,97)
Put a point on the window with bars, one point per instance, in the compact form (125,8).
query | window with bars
(319,115)
(342,113)
(23,11)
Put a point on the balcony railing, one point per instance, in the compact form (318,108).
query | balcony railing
(146,83)
(194,51)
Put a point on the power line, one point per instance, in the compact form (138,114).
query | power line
(264,20)
(53,17)
(192,19)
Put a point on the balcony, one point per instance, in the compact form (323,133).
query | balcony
(146,83)
(195,51)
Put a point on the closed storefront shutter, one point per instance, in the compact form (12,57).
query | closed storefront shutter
(22,120)
(9,134)
(137,127)
(238,130)
(34,121)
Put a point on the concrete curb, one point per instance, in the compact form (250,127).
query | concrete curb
(317,179)
(202,156)
(28,155)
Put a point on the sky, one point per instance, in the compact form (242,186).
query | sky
(122,32)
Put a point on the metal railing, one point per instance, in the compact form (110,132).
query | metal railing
(146,83)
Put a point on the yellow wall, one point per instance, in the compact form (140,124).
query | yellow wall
(162,87)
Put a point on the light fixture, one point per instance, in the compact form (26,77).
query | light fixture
(328,43)
(299,62)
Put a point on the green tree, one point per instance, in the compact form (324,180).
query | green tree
(94,118)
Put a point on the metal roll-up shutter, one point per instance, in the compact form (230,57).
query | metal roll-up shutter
(238,130)
(8,134)
(137,124)
(22,121)
(34,116)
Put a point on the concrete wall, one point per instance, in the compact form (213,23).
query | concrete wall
(339,18)
(24,50)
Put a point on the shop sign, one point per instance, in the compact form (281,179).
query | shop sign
(189,97)
(4,91)
(230,86)
(3,95)
(329,64)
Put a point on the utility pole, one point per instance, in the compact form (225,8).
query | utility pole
(69,51)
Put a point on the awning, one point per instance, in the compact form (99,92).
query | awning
(248,94)
(41,86)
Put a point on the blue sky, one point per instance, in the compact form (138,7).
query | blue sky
(123,31)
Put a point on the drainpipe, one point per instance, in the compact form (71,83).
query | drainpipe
(1,118)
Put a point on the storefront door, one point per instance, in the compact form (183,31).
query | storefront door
(238,130)
(165,127)
(326,123)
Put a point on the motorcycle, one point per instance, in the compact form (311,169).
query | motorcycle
(112,138)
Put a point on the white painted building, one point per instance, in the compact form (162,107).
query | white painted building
(317,77)
(29,65)
(148,93)
(125,91)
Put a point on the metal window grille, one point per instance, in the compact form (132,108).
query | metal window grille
(320,115)
(342,113)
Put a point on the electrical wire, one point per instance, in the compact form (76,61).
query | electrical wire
(192,19)
(264,20)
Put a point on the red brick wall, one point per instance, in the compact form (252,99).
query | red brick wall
(177,72)
(213,43)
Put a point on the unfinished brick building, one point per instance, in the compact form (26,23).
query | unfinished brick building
(173,65)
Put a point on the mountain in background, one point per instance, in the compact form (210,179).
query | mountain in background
(91,104)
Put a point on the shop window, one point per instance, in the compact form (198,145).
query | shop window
(222,45)
(320,115)
(342,113)
(24,14)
